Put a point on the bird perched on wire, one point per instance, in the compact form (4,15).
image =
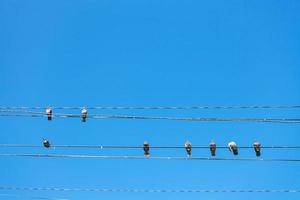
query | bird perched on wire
(256,146)
(83,114)
(146,149)
(232,147)
(46,143)
(188,148)
(213,148)
(49,113)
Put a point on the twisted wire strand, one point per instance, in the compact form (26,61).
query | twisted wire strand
(157,107)
(149,158)
(120,190)
(100,116)
(30,197)
(20,111)
(135,147)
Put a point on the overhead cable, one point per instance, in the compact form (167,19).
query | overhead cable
(136,147)
(60,189)
(148,157)
(100,116)
(30,197)
(156,107)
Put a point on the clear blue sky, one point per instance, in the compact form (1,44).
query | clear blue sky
(150,53)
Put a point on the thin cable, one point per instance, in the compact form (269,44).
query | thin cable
(156,107)
(148,158)
(20,111)
(99,116)
(135,147)
(21,115)
(57,189)
(31,197)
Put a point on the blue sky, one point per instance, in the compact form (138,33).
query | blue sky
(150,53)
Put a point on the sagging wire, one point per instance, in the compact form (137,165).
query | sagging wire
(155,107)
(31,197)
(119,190)
(138,147)
(149,157)
(203,119)
(146,147)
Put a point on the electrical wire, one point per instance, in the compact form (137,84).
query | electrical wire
(20,111)
(58,189)
(148,158)
(156,107)
(30,197)
(136,147)
(99,116)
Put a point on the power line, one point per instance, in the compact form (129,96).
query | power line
(148,158)
(20,111)
(30,197)
(99,116)
(156,107)
(58,189)
(135,147)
